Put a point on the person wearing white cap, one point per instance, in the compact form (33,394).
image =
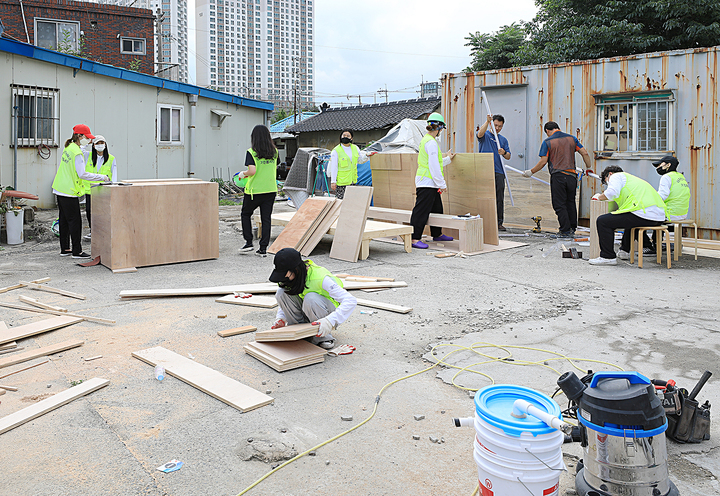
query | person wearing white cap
(68,188)
(100,162)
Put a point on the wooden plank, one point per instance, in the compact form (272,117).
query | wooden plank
(49,404)
(24,369)
(53,312)
(18,286)
(9,388)
(384,306)
(251,301)
(48,289)
(40,352)
(299,224)
(287,333)
(376,278)
(351,223)
(314,225)
(288,354)
(27,330)
(14,350)
(212,382)
(39,304)
(238,330)
(597,208)
(278,365)
(321,229)
(8,346)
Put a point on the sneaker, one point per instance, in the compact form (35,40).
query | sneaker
(419,245)
(87,237)
(603,261)
(443,237)
(247,247)
(261,252)
(648,251)
(328,345)
(501,227)
(563,235)
(65,253)
(623,255)
(82,255)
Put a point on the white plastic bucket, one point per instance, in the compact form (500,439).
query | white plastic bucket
(497,479)
(14,226)
(521,448)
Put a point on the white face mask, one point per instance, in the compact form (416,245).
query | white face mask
(100,148)
(84,141)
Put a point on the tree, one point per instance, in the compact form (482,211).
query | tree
(279,116)
(495,50)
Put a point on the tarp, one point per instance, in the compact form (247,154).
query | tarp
(405,137)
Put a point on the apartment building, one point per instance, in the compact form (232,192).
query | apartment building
(257,48)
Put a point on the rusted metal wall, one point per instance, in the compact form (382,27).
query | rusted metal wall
(565,93)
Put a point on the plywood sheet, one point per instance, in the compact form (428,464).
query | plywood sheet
(210,381)
(351,223)
(388,161)
(597,208)
(287,333)
(278,365)
(289,352)
(298,226)
(322,228)
(252,301)
(27,330)
(39,352)
(237,330)
(383,306)
(49,404)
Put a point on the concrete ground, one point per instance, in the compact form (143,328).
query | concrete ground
(662,323)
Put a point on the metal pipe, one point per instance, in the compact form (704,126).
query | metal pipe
(27,35)
(15,143)
(497,143)
(191,139)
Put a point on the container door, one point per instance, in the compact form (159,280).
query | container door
(511,104)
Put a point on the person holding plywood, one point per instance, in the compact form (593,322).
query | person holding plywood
(430,182)
(343,164)
(100,162)
(309,293)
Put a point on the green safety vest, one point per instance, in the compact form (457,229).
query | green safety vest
(66,179)
(105,169)
(678,201)
(263,181)
(314,280)
(423,169)
(637,194)
(347,166)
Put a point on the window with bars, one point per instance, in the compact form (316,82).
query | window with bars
(38,116)
(170,125)
(637,124)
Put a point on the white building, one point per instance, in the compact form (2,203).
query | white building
(257,48)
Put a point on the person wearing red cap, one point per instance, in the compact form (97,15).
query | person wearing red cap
(68,188)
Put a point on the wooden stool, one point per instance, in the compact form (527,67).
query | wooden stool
(658,245)
(678,237)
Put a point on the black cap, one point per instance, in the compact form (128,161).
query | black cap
(668,159)
(286,259)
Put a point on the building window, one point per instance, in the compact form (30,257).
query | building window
(170,125)
(135,46)
(57,35)
(635,125)
(38,121)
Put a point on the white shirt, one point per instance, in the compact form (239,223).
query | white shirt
(437,180)
(82,173)
(616,183)
(664,192)
(347,302)
(333,166)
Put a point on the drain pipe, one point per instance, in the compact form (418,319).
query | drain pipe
(191,140)
(15,144)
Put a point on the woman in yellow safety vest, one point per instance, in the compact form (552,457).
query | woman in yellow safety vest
(344,159)
(262,159)
(68,188)
(101,162)
(309,293)
(429,182)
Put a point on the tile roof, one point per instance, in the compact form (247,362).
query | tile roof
(366,117)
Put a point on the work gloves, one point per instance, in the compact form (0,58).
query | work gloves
(528,173)
(325,327)
(596,196)
(278,324)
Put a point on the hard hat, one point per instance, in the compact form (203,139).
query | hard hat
(436,117)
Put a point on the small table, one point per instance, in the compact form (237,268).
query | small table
(373,230)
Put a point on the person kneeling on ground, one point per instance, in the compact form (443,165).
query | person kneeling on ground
(309,293)
(639,205)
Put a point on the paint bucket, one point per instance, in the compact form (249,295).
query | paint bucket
(516,456)
(14,226)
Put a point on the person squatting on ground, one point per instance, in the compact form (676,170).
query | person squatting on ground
(309,293)
(344,159)
(99,162)
(639,205)
(487,144)
(261,159)
(430,182)
(558,150)
(68,188)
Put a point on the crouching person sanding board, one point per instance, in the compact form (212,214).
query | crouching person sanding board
(309,293)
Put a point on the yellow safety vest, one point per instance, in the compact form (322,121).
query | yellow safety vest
(314,280)
(637,194)
(263,181)
(678,201)
(423,169)
(105,169)
(347,166)
(66,179)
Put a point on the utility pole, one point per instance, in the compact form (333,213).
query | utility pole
(384,91)
(296,76)
(159,17)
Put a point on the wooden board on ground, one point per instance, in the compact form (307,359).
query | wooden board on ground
(27,330)
(322,228)
(53,312)
(287,333)
(251,301)
(49,404)
(454,246)
(237,330)
(301,221)
(39,304)
(375,278)
(40,352)
(18,286)
(7,346)
(48,289)
(351,223)
(383,306)
(210,381)
(286,355)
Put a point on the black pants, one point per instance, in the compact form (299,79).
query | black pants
(427,201)
(70,223)
(606,225)
(265,201)
(562,192)
(500,197)
(88,211)
(340,191)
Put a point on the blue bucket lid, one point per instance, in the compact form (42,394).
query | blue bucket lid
(494,405)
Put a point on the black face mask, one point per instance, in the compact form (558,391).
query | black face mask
(345,141)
